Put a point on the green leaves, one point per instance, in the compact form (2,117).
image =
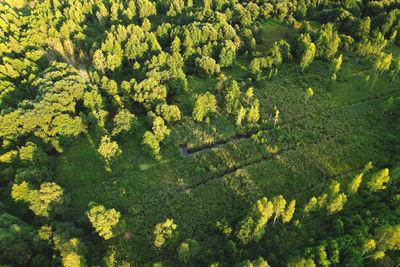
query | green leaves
(103,220)
(379,180)
(204,105)
(108,149)
(165,231)
(42,202)
(151,144)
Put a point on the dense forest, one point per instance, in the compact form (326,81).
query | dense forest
(199,133)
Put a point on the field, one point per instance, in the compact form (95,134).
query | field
(333,134)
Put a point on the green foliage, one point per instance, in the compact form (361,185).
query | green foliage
(44,202)
(327,42)
(16,240)
(66,126)
(288,213)
(151,144)
(124,64)
(108,149)
(188,249)
(253,115)
(379,180)
(305,50)
(204,105)
(149,91)
(259,262)
(309,93)
(301,262)
(124,122)
(208,66)
(159,129)
(99,61)
(227,55)
(170,113)
(103,220)
(166,231)
(232,94)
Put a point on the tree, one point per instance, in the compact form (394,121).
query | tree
(275,54)
(146,8)
(65,125)
(99,61)
(159,129)
(253,115)
(170,113)
(368,246)
(288,213)
(163,232)
(232,94)
(204,104)
(108,149)
(175,45)
(355,184)
(301,262)
(284,49)
(307,56)
(123,122)
(396,68)
(309,93)
(336,203)
(240,116)
(103,220)
(188,249)
(250,93)
(382,63)
(261,211)
(150,92)
(151,144)
(227,55)
(16,242)
(388,237)
(276,117)
(245,230)
(336,64)
(279,204)
(327,42)
(43,202)
(305,50)
(379,180)
(259,262)
(207,66)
